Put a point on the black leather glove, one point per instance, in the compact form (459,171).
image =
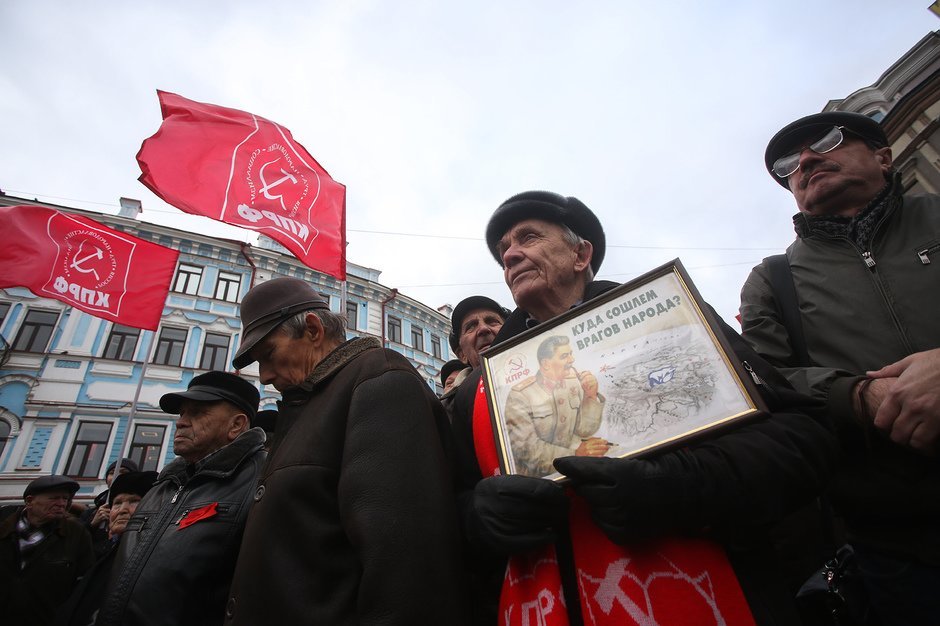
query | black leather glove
(633,499)
(518,513)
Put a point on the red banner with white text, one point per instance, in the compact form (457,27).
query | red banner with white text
(244,170)
(74,259)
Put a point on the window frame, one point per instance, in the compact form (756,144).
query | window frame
(216,363)
(393,324)
(190,271)
(122,333)
(352,307)
(143,448)
(35,330)
(160,342)
(417,337)
(224,283)
(88,448)
(436,348)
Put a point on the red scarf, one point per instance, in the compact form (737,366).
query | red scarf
(669,581)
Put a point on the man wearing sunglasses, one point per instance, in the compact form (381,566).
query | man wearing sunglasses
(858,329)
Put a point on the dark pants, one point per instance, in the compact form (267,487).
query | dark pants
(902,592)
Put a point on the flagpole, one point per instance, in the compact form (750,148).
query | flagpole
(131,414)
(342,301)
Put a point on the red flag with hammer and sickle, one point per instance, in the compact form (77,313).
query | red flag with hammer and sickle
(72,258)
(244,170)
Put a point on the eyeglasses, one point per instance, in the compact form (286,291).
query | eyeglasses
(786,165)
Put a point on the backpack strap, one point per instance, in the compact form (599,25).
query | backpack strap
(781,282)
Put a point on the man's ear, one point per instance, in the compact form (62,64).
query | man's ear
(884,158)
(314,327)
(584,251)
(240,423)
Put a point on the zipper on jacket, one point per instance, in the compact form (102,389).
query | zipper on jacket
(924,255)
(177,494)
(869,261)
(754,376)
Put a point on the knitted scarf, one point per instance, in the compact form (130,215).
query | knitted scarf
(671,581)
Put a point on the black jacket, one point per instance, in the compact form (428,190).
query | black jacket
(750,477)
(165,574)
(354,520)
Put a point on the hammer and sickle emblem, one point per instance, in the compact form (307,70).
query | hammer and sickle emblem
(287,176)
(78,261)
(515,364)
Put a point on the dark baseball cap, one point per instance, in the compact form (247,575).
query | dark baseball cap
(212,387)
(811,127)
(550,207)
(53,482)
(267,305)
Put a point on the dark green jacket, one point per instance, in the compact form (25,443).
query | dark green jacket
(859,316)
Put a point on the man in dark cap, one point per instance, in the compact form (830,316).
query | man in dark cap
(43,552)
(722,486)
(96,515)
(354,520)
(849,315)
(474,324)
(175,559)
(449,373)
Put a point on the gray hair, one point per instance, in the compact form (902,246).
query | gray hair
(334,326)
(576,240)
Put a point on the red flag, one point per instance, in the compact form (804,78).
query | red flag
(102,271)
(241,169)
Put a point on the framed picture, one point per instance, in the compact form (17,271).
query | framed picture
(638,368)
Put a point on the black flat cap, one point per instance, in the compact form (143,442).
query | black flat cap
(266,305)
(468,305)
(212,387)
(454,365)
(811,127)
(132,482)
(53,482)
(551,207)
(127,464)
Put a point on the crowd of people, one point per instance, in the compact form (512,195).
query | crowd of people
(366,499)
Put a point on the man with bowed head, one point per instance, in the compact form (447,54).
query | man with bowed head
(354,519)
(860,333)
(725,487)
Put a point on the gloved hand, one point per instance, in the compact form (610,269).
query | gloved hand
(633,499)
(518,513)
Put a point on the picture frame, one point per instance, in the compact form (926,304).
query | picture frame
(640,368)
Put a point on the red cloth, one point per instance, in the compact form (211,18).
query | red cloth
(241,169)
(197,515)
(74,259)
(669,581)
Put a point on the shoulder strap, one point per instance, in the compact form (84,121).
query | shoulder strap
(781,281)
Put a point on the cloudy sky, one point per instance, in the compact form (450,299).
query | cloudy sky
(655,114)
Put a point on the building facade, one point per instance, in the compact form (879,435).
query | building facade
(906,100)
(77,391)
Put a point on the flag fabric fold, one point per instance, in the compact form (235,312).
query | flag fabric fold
(94,268)
(247,171)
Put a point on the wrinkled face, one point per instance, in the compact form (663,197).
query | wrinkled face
(450,381)
(556,367)
(477,332)
(839,182)
(121,510)
(47,506)
(204,427)
(284,361)
(538,262)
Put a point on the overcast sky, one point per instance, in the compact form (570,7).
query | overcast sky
(655,114)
